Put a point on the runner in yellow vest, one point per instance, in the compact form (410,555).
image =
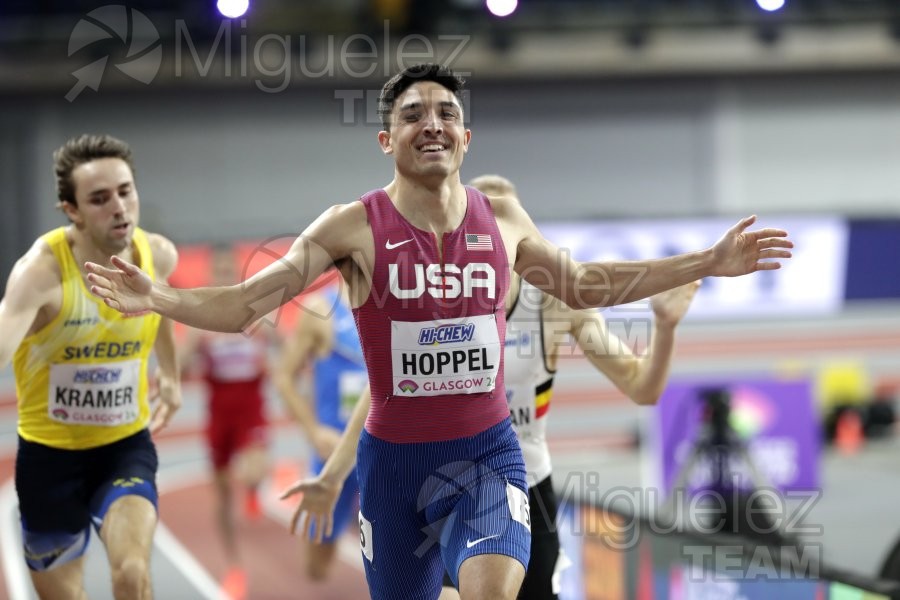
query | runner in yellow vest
(85,456)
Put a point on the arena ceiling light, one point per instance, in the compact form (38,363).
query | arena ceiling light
(233,8)
(502,8)
(770,5)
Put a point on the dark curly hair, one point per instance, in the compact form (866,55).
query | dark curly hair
(401,82)
(80,150)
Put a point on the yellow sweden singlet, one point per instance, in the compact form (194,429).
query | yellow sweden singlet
(81,380)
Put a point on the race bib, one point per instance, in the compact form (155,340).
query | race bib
(447,356)
(518,505)
(365,537)
(350,386)
(105,395)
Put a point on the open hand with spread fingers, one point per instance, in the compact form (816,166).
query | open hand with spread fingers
(123,287)
(740,252)
(316,508)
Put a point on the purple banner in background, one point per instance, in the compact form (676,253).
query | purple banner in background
(775,419)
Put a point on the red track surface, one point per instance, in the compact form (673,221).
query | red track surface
(272,557)
(275,560)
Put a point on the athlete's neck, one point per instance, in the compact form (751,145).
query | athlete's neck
(84,249)
(439,209)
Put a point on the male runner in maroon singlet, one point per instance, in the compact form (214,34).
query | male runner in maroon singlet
(445,488)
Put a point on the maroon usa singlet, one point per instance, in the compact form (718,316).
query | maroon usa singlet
(433,325)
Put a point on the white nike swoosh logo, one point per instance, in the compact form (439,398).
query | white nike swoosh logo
(470,543)
(391,246)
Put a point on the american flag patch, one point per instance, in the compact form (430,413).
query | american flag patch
(478,241)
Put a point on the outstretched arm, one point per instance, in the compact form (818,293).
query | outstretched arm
(320,493)
(641,378)
(233,308)
(594,284)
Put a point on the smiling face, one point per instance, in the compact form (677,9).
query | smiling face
(427,136)
(106,207)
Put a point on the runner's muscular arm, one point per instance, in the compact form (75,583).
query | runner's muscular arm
(33,283)
(641,378)
(311,338)
(343,459)
(595,284)
(320,493)
(165,258)
(232,308)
